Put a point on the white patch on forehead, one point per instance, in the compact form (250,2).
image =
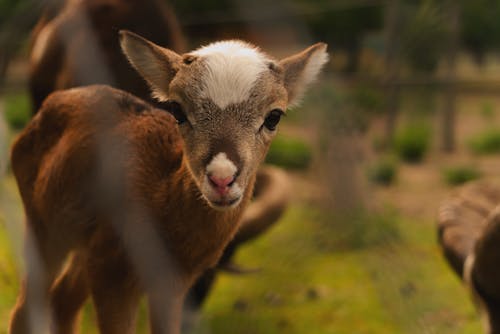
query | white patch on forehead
(221,167)
(233,67)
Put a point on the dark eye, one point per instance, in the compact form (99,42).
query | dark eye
(176,110)
(272,119)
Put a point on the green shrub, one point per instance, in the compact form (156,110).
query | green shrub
(412,143)
(17,110)
(368,98)
(486,143)
(461,174)
(290,153)
(423,36)
(487,111)
(383,172)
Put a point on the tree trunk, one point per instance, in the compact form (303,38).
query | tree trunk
(391,64)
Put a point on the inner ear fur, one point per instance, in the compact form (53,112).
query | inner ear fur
(157,65)
(301,69)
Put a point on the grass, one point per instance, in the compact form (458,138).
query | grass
(290,153)
(17,110)
(401,286)
(383,172)
(412,142)
(487,142)
(454,176)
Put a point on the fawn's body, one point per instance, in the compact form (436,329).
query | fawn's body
(145,201)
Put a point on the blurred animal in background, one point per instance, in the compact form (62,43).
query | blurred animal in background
(143,201)
(75,43)
(469,234)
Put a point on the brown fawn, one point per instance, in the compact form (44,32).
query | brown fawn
(122,199)
(74,44)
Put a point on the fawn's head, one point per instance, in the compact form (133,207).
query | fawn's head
(228,98)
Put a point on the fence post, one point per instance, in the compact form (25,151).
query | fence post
(449,111)
(391,64)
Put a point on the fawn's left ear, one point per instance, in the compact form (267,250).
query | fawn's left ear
(157,65)
(301,69)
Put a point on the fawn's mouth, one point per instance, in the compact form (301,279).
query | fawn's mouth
(225,203)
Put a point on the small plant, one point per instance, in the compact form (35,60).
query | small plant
(290,153)
(383,172)
(486,143)
(17,110)
(487,111)
(368,99)
(461,174)
(412,143)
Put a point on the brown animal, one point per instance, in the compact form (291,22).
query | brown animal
(74,44)
(96,21)
(469,234)
(145,202)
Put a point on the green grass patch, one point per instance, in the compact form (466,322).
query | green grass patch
(17,110)
(383,172)
(400,285)
(290,153)
(412,142)
(461,174)
(487,142)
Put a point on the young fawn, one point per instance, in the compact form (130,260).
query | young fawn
(138,201)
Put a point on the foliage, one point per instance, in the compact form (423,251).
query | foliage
(412,142)
(487,142)
(423,36)
(460,175)
(368,98)
(487,111)
(341,26)
(480,26)
(383,172)
(289,153)
(17,110)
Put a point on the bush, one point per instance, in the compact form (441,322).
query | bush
(423,36)
(486,143)
(368,99)
(290,153)
(461,174)
(383,172)
(17,110)
(412,143)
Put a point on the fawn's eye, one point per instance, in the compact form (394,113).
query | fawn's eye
(176,110)
(273,118)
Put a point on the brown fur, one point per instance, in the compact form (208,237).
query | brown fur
(469,234)
(83,47)
(266,208)
(59,173)
(106,176)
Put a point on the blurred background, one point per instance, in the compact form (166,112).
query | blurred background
(407,109)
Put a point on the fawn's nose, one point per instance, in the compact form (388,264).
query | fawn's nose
(221,185)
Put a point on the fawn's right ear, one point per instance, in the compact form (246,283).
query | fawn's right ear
(155,64)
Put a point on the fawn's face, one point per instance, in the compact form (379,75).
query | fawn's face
(227,98)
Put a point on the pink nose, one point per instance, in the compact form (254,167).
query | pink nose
(221,185)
